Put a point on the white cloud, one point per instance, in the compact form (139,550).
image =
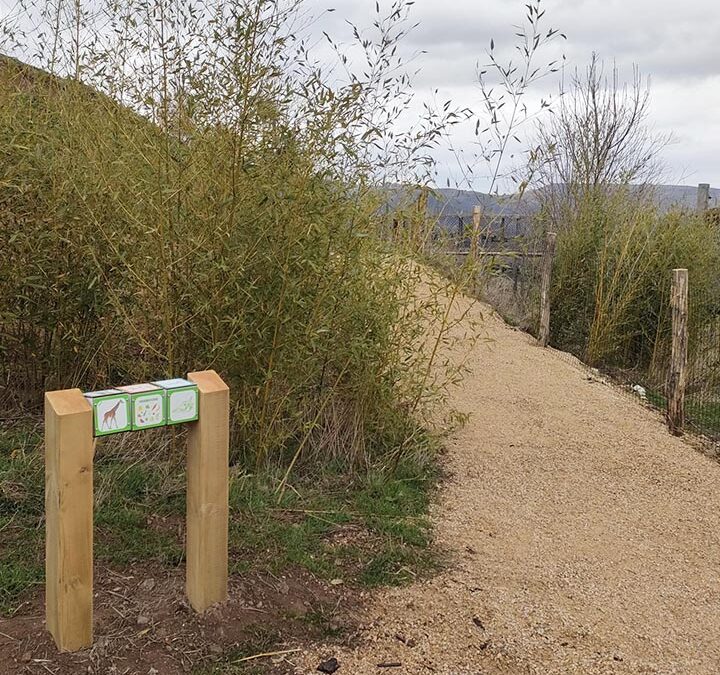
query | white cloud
(676,44)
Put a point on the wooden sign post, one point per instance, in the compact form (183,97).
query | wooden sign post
(69,451)
(69,448)
(206,555)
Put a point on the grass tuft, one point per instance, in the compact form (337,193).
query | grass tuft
(366,529)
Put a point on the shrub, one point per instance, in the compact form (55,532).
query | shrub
(215,207)
(611,278)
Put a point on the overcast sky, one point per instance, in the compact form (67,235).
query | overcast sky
(677,44)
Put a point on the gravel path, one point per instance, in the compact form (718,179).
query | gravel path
(584,538)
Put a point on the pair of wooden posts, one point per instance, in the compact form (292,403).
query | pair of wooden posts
(545,274)
(677,377)
(69,451)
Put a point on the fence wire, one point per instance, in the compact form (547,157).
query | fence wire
(642,367)
(702,391)
(641,364)
(510,283)
(509,277)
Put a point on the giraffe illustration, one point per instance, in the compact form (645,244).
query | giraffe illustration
(109,416)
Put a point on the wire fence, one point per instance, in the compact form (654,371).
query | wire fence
(502,254)
(702,390)
(702,372)
(508,256)
(510,283)
(496,232)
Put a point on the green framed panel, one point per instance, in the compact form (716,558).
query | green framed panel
(147,405)
(111,411)
(181,400)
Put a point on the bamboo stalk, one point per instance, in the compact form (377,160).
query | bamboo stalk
(267,654)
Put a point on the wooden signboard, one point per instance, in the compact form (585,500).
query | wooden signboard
(143,406)
(72,419)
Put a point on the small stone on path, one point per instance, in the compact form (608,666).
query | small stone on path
(329,666)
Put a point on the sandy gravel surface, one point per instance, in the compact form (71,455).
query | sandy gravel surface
(583,537)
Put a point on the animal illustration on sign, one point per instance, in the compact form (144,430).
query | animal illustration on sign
(183,405)
(110,416)
(149,411)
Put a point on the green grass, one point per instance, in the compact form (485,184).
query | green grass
(131,519)
(21,512)
(703,416)
(368,530)
(700,416)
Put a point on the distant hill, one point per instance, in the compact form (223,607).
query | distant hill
(453,202)
(511,216)
(682,196)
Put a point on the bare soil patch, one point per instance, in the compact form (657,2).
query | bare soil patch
(143,625)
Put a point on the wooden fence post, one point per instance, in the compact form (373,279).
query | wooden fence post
(703,197)
(475,241)
(207,494)
(678,361)
(69,519)
(547,261)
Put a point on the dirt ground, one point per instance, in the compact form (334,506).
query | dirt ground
(584,538)
(143,626)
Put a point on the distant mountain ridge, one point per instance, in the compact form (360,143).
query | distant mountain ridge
(683,196)
(454,202)
(512,216)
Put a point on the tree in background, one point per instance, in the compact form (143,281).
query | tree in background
(598,139)
(598,160)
